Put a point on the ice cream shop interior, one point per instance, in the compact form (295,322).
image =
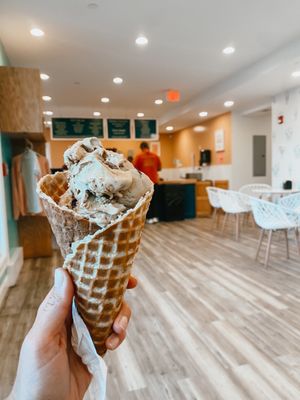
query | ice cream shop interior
(149,200)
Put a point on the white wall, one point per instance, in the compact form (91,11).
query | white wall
(243,130)
(213,172)
(286,139)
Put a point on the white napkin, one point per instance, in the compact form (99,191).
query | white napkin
(84,347)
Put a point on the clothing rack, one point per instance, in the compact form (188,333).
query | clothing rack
(34,231)
(28,144)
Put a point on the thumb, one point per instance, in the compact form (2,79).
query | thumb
(56,307)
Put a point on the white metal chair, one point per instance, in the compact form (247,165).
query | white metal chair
(273,217)
(292,202)
(250,189)
(233,203)
(214,202)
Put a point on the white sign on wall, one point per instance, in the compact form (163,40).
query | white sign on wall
(219,140)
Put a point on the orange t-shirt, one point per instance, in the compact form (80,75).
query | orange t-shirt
(148,163)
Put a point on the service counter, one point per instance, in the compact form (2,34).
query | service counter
(179,182)
(177,199)
(185,198)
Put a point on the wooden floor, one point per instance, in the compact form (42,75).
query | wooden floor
(208,322)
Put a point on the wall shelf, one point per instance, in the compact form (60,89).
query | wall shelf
(20,100)
(33,137)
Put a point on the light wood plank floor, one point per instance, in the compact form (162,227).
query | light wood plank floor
(208,322)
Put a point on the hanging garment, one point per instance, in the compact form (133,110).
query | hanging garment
(27,169)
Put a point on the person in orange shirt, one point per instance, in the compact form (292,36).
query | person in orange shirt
(149,163)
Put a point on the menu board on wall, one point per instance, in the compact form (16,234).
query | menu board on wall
(76,128)
(145,129)
(118,128)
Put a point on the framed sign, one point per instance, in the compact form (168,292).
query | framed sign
(118,128)
(219,140)
(76,128)
(155,148)
(145,129)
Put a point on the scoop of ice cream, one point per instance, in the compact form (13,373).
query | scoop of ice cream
(136,190)
(102,183)
(93,176)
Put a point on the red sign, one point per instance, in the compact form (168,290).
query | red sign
(173,96)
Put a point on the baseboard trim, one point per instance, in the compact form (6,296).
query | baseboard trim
(11,270)
(3,282)
(15,265)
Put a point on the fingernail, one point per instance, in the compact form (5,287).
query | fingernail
(113,342)
(123,323)
(59,278)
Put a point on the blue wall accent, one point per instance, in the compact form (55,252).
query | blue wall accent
(3,56)
(6,145)
(12,227)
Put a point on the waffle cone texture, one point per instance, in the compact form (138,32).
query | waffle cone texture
(98,260)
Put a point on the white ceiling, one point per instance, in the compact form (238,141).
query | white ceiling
(186,38)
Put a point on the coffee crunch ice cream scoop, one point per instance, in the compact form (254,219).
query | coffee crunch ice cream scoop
(102,183)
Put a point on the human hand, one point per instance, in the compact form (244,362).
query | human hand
(121,322)
(48,366)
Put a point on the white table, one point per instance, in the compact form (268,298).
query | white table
(275,192)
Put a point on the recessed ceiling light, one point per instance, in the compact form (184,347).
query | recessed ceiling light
(296,74)
(105,100)
(118,80)
(48,112)
(170,128)
(93,5)
(199,128)
(158,101)
(96,113)
(229,103)
(203,114)
(140,114)
(228,50)
(44,77)
(141,41)
(37,32)
(47,98)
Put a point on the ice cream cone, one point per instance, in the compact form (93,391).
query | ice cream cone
(99,260)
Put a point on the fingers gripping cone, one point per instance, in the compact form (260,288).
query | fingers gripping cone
(99,260)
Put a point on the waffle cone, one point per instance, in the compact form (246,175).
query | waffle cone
(99,260)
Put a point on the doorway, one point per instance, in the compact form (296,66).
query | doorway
(259,155)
